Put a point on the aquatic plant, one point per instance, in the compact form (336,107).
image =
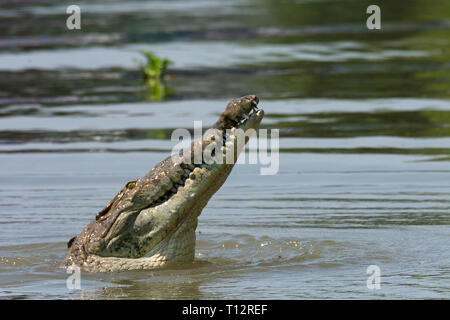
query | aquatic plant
(152,71)
(155,90)
(154,67)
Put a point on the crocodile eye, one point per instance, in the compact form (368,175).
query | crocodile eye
(131,185)
(69,244)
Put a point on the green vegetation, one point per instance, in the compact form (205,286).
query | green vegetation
(153,72)
(154,66)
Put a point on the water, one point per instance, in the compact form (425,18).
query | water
(364,119)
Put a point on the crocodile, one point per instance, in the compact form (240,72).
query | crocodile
(151,222)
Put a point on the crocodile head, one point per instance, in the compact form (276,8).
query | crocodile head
(152,220)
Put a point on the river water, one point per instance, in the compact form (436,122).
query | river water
(364,124)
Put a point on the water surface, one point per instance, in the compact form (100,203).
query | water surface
(364,120)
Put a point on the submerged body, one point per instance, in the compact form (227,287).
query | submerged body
(151,222)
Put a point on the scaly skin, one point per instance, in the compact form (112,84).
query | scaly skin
(151,222)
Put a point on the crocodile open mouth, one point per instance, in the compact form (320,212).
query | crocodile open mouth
(241,120)
(191,170)
(244,116)
(188,173)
